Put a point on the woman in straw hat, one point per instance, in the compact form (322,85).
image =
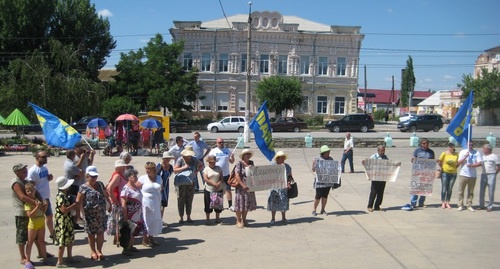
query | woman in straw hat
(321,192)
(185,193)
(278,198)
(244,200)
(63,229)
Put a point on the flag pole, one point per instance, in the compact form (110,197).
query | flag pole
(88,144)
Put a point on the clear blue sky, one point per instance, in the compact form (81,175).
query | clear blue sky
(444,37)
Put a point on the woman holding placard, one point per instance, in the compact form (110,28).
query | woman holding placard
(244,200)
(278,198)
(321,192)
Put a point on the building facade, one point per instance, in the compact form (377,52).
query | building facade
(489,60)
(324,58)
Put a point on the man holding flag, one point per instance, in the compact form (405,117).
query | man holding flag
(460,127)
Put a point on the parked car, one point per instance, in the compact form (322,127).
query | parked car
(406,117)
(81,124)
(424,122)
(177,126)
(288,124)
(32,128)
(228,124)
(351,122)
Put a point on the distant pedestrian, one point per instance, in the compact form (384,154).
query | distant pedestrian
(491,167)
(348,152)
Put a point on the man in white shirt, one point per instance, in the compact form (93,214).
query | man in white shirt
(469,159)
(39,175)
(348,147)
(224,157)
(491,167)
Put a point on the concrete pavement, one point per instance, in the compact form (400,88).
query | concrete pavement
(349,237)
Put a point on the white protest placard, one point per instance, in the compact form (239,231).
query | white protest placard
(327,173)
(261,178)
(423,173)
(381,170)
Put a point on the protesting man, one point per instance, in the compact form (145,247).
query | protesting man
(424,152)
(348,154)
(491,167)
(39,175)
(202,149)
(469,159)
(224,157)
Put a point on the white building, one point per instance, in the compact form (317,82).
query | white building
(325,58)
(489,60)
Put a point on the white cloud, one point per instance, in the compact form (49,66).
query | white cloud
(427,79)
(144,40)
(460,35)
(105,13)
(448,77)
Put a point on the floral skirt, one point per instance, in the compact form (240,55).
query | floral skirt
(244,201)
(278,200)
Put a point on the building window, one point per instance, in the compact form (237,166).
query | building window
(304,107)
(341,66)
(205,62)
(322,66)
(264,64)
(321,105)
(205,103)
(282,64)
(223,62)
(241,102)
(222,101)
(243,63)
(304,65)
(340,105)
(188,61)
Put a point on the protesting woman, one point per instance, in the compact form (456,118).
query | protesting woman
(278,198)
(131,201)
(244,200)
(185,193)
(321,192)
(214,189)
(448,161)
(151,202)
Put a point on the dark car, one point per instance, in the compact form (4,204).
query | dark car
(424,122)
(351,122)
(32,128)
(288,124)
(81,125)
(177,126)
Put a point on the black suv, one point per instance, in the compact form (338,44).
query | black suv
(351,122)
(424,122)
(81,125)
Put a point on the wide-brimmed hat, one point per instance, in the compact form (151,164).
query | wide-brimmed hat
(188,151)
(246,151)
(92,171)
(64,183)
(324,149)
(280,154)
(120,163)
(18,167)
(167,155)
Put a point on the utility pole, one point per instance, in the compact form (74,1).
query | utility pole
(365,99)
(247,88)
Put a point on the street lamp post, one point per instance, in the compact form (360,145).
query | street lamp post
(247,88)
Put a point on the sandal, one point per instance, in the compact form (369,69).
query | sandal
(29,265)
(93,257)
(101,257)
(149,245)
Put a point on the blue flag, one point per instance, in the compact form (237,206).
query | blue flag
(57,132)
(261,127)
(460,124)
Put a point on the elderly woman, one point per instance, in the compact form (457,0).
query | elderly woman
(244,200)
(92,195)
(185,193)
(151,203)
(278,198)
(114,189)
(127,158)
(164,170)
(448,161)
(321,192)
(214,189)
(131,202)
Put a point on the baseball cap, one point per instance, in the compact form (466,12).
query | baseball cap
(92,171)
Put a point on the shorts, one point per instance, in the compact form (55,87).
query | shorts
(21,230)
(48,212)
(36,223)
(225,179)
(322,192)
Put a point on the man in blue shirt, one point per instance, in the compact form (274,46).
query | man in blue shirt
(202,149)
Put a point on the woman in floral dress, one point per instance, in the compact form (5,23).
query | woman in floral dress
(244,200)
(278,198)
(131,199)
(63,228)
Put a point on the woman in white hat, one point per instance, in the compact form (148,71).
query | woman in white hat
(185,193)
(114,188)
(63,228)
(164,170)
(321,192)
(278,198)
(244,200)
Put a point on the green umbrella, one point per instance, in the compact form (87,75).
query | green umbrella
(16,118)
(1,119)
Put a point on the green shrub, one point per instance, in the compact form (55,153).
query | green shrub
(314,121)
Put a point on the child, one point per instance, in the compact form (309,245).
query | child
(64,235)
(36,226)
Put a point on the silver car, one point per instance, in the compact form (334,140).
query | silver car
(228,124)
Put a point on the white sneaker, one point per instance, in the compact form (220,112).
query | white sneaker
(460,208)
(231,208)
(471,209)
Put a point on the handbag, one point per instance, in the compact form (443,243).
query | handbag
(216,200)
(183,178)
(293,191)
(337,185)
(234,178)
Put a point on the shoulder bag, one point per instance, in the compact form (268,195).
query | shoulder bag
(293,191)
(183,178)
(235,178)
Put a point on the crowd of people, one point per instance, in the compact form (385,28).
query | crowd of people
(129,205)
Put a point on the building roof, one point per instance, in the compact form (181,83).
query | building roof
(107,74)
(433,100)
(383,96)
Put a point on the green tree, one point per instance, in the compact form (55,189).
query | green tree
(117,105)
(280,92)
(153,77)
(486,90)
(408,83)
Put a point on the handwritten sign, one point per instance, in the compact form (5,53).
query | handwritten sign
(261,178)
(327,173)
(381,170)
(423,173)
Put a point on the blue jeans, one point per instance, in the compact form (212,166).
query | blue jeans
(447,182)
(347,156)
(415,198)
(490,181)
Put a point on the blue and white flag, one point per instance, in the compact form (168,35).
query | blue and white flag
(460,127)
(57,132)
(261,127)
